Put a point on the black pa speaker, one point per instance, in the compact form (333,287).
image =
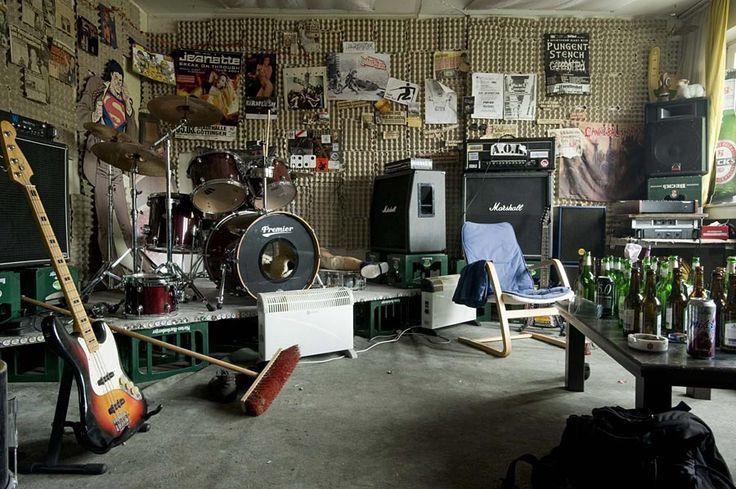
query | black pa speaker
(677,137)
(21,242)
(523,199)
(578,227)
(408,212)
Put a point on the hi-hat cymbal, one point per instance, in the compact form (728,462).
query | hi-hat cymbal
(130,157)
(176,108)
(106,133)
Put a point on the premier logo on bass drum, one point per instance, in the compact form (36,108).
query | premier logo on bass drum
(498,207)
(267,231)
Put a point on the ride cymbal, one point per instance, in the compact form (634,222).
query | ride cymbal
(130,157)
(178,108)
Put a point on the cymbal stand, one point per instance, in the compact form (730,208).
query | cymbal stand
(265,163)
(185,280)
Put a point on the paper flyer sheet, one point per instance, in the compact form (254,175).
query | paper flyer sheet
(520,97)
(401,92)
(440,103)
(488,96)
(357,76)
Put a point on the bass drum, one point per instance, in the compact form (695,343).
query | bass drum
(262,253)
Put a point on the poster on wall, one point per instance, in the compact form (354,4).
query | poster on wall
(520,97)
(61,63)
(4,34)
(601,162)
(108,35)
(49,12)
(357,76)
(27,51)
(487,96)
(260,86)
(36,85)
(400,91)
(87,36)
(212,76)
(305,88)
(32,15)
(567,63)
(449,64)
(309,36)
(440,103)
(65,17)
(153,66)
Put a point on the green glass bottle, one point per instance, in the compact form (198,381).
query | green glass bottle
(586,281)
(676,309)
(694,263)
(631,315)
(728,332)
(623,289)
(718,295)
(725,187)
(651,316)
(664,285)
(730,269)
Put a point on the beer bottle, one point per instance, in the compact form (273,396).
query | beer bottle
(605,291)
(695,263)
(651,317)
(698,284)
(718,294)
(730,269)
(623,289)
(631,316)
(664,285)
(728,330)
(676,310)
(586,281)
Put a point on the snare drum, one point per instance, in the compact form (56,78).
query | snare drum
(281,190)
(148,293)
(254,252)
(218,184)
(185,221)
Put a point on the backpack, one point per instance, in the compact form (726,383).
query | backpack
(616,448)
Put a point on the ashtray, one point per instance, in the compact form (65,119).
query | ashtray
(648,342)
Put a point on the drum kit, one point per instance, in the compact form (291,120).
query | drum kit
(230,221)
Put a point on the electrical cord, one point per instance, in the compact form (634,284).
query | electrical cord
(394,338)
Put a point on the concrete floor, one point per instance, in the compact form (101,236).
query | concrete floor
(412,414)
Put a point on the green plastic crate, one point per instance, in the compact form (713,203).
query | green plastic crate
(32,363)
(41,283)
(385,316)
(9,296)
(145,362)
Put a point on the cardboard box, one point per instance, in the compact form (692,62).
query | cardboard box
(674,188)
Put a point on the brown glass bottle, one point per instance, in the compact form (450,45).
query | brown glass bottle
(631,315)
(718,295)
(728,332)
(699,288)
(651,317)
(676,312)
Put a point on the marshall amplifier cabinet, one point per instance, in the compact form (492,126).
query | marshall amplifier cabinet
(408,212)
(510,154)
(523,199)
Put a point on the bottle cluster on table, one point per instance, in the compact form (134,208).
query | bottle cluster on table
(655,296)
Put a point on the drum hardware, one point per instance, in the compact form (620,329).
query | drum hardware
(221,292)
(183,111)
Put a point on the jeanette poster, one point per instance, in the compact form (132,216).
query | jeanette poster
(601,162)
(260,86)
(567,63)
(214,77)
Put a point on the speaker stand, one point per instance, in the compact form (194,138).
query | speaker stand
(51,464)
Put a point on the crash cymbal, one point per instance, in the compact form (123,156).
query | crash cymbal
(130,157)
(175,108)
(106,133)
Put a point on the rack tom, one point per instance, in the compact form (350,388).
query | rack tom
(218,184)
(149,293)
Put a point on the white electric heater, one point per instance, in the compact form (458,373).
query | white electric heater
(318,320)
(438,310)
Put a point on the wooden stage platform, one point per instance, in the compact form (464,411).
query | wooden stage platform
(234,307)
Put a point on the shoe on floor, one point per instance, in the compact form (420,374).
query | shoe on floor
(374,270)
(222,387)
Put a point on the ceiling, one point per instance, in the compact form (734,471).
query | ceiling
(187,9)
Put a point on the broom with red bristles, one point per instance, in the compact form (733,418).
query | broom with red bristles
(262,391)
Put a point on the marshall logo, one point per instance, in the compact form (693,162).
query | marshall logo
(499,207)
(389,210)
(267,231)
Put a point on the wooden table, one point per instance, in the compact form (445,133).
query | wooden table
(655,373)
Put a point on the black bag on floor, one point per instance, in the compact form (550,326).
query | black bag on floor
(617,448)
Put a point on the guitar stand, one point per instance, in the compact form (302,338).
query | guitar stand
(51,464)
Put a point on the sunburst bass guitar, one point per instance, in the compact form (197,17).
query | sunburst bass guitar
(111,407)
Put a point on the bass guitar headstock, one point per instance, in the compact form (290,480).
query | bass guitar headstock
(15,163)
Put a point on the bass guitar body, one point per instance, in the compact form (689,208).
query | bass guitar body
(111,407)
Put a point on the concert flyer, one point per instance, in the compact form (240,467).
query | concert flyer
(260,86)
(214,77)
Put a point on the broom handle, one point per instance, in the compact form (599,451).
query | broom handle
(153,341)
